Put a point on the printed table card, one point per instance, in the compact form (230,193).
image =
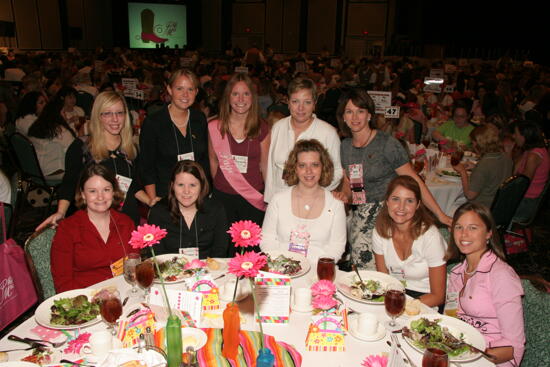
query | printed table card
(190,302)
(273,297)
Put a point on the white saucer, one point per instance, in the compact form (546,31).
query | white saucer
(306,309)
(381,332)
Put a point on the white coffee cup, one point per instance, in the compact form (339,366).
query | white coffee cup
(367,324)
(302,297)
(101,342)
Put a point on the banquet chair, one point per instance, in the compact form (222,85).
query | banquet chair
(506,201)
(535,309)
(30,169)
(523,226)
(37,248)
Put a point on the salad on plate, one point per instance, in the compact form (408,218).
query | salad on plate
(424,333)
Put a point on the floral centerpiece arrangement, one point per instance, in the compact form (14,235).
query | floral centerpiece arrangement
(244,265)
(323,297)
(146,236)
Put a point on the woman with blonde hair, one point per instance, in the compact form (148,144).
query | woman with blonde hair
(238,147)
(306,218)
(109,144)
(492,169)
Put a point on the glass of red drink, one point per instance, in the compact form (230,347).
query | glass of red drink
(326,268)
(456,157)
(111,309)
(144,276)
(434,357)
(394,302)
(418,164)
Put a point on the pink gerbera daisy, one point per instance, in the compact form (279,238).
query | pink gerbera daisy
(247,265)
(375,360)
(324,302)
(323,288)
(146,235)
(245,233)
(195,264)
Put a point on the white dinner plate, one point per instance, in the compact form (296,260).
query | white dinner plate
(167,257)
(447,177)
(43,312)
(455,327)
(345,280)
(304,263)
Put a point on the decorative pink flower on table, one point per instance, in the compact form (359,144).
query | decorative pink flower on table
(247,265)
(146,235)
(323,288)
(74,346)
(375,360)
(245,233)
(195,264)
(323,302)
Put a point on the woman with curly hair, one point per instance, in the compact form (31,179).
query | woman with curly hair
(306,218)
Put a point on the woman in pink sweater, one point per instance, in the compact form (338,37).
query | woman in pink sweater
(488,290)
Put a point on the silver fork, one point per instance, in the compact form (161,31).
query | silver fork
(396,341)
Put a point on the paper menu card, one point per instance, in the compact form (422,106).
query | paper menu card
(273,297)
(190,302)
(208,288)
(326,334)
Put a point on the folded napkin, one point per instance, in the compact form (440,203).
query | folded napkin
(116,357)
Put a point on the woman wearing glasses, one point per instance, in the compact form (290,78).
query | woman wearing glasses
(109,144)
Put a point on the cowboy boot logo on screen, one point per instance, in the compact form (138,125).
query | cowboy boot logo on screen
(147,22)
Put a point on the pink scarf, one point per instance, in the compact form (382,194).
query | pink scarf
(229,168)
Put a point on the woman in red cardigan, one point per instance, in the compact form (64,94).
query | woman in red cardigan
(90,245)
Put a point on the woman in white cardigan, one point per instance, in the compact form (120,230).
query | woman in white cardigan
(306,218)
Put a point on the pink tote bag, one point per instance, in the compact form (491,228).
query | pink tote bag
(17,292)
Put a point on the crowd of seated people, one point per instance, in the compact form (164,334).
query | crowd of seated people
(206,147)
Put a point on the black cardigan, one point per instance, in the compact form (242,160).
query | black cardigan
(212,227)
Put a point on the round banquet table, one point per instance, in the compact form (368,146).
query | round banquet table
(293,333)
(448,193)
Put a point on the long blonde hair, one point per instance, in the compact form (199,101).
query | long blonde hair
(96,143)
(252,125)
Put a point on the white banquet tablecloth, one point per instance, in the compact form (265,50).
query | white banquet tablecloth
(293,333)
(448,194)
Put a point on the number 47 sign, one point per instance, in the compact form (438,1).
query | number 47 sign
(392,112)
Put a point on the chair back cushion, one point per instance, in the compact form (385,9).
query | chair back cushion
(537,333)
(38,248)
(26,155)
(507,199)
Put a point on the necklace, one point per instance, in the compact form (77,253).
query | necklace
(182,124)
(366,141)
(470,273)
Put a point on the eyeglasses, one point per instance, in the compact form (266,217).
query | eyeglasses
(110,114)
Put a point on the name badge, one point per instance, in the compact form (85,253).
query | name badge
(355,173)
(358,197)
(399,274)
(190,252)
(123,183)
(189,156)
(117,267)
(299,240)
(242,162)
